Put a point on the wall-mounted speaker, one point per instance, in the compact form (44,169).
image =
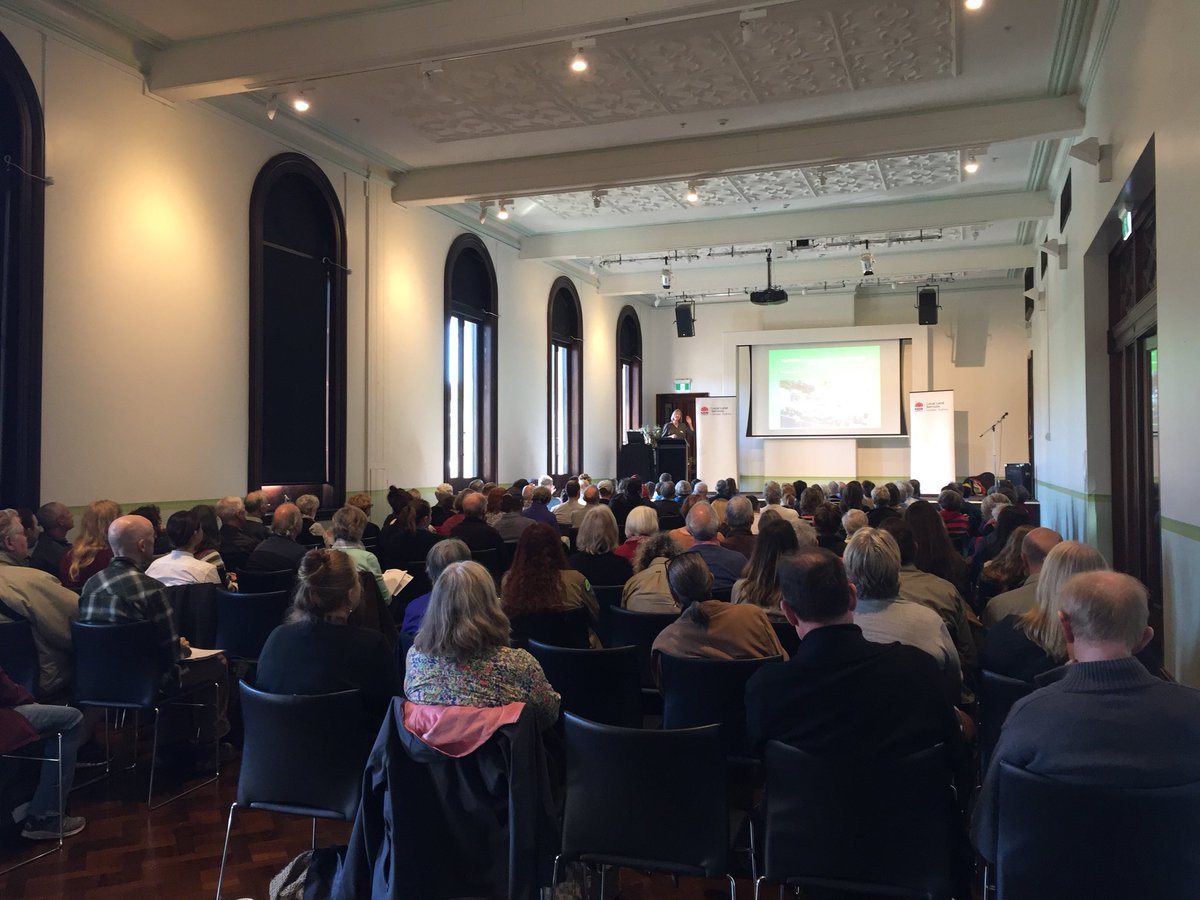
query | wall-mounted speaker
(927,306)
(685,319)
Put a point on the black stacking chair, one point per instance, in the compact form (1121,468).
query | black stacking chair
(53,739)
(788,639)
(597,685)
(266,582)
(297,757)
(245,621)
(119,667)
(195,609)
(997,694)
(709,692)
(559,629)
(607,596)
(725,594)
(670,522)
(1060,841)
(18,653)
(646,799)
(877,828)
(639,630)
(493,561)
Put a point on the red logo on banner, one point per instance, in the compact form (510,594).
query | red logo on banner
(704,410)
(919,406)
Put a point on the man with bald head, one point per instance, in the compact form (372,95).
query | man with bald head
(726,565)
(1019,601)
(280,550)
(236,544)
(478,535)
(257,505)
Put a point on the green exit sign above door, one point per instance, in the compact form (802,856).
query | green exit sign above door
(683,384)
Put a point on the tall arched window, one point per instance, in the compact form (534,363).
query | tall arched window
(629,372)
(297,332)
(471,313)
(21,247)
(565,331)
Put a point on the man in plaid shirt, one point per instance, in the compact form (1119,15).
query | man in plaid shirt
(123,593)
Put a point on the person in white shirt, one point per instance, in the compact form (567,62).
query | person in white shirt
(180,566)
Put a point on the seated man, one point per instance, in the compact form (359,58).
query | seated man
(872,561)
(726,565)
(29,593)
(1106,722)
(841,694)
(122,592)
(571,512)
(257,505)
(538,510)
(280,550)
(180,566)
(773,498)
(236,542)
(311,534)
(739,517)
(478,535)
(56,520)
(511,523)
(667,504)
(24,722)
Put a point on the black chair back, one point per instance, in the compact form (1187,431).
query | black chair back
(18,653)
(300,755)
(493,560)
(647,799)
(670,522)
(118,666)
(788,639)
(639,630)
(607,596)
(1071,841)
(597,685)
(403,645)
(559,629)
(725,594)
(997,694)
(245,621)
(194,607)
(266,582)
(877,827)
(707,692)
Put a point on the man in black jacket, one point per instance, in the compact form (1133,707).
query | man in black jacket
(476,533)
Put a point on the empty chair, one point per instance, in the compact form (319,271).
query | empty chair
(1061,841)
(708,692)
(120,667)
(266,582)
(569,628)
(878,827)
(607,596)
(997,694)
(597,685)
(296,758)
(639,630)
(646,799)
(245,621)
(18,653)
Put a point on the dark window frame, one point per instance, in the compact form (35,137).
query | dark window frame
(564,291)
(633,357)
(333,490)
(487,366)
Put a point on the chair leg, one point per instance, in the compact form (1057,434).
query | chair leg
(757,886)
(314,833)
(732,887)
(195,787)
(59,845)
(554,874)
(225,849)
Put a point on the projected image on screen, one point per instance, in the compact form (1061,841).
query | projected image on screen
(827,388)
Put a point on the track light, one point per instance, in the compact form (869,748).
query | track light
(868,261)
(482,213)
(579,63)
(666,273)
(693,192)
(597,196)
(971,166)
(744,22)
(301,103)
(973,5)
(502,212)
(272,106)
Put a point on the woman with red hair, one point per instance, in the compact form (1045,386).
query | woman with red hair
(539,579)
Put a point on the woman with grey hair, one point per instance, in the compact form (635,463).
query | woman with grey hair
(461,656)
(595,543)
(639,525)
(348,525)
(439,556)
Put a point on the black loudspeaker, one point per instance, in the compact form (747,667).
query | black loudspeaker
(1020,474)
(685,320)
(927,306)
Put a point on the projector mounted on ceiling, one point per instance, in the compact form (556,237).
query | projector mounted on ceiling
(772,296)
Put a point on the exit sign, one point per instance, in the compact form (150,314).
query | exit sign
(683,384)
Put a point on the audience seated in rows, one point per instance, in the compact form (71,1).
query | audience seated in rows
(1037,543)
(181,566)
(759,585)
(648,590)
(540,581)
(595,554)
(1028,645)
(280,550)
(89,553)
(725,565)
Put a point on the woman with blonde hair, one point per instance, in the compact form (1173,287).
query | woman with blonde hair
(461,656)
(363,501)
(640,524)
(596,543)
(90,552)
(1025,646)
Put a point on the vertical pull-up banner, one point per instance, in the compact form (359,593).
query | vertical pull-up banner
(716,438)
(931,434)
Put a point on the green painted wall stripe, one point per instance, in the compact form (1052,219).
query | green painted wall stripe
(1183,529)
(1077,495)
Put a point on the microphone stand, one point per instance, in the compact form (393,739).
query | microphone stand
(997,430)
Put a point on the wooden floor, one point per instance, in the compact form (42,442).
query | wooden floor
(175,852)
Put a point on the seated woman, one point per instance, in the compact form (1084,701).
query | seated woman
(539,579)
(363,501)
(440,555)
(639,525)
(1028,645)
(348,525)
(595,543)
(712,629)
(1006,570)
(181,566)
(406,537)
(647,591)
(316,652)
(461,656)
(759,584)
(827,520)
(90,552)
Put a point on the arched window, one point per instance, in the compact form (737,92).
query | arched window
(21,248)
(565,330)
(470,293)
(297,332)
(629,372)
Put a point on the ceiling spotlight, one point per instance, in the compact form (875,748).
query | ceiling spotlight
(483,213)
(502,212)
(301,103)
(868,261)
(272,106)
(666,273)
(597,196)
(971,166)
(579,63)
(973,5)
(693,192)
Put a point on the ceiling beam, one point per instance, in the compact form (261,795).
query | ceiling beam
(875,218)
(915,131)
(367,41)
(791,272)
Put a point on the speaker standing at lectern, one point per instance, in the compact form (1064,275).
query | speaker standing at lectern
(678,427)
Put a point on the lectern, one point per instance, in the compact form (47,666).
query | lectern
(672,458)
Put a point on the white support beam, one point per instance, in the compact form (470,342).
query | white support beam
(790,273)
(400,35)
(918,131)
(869,219)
